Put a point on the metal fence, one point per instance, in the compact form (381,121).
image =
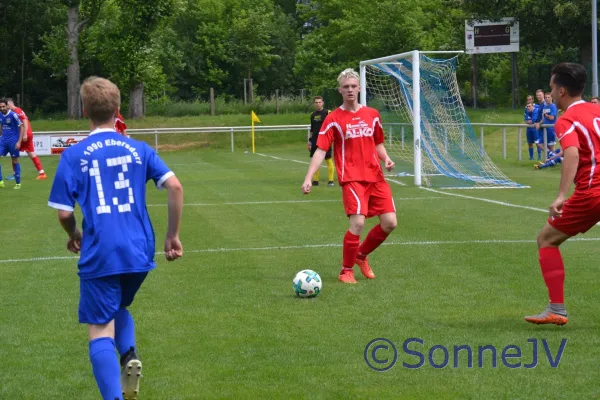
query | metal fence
(399,131)
(392,129)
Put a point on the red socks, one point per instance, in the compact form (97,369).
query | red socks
(351,242)
(37,163)
(374,238)
(553,271)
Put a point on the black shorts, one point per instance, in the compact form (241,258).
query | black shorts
(313,148)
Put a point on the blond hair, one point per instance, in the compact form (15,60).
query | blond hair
(348,73)
(101,99)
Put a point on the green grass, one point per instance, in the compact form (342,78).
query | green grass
(223,322)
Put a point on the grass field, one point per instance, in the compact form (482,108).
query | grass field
(223,322)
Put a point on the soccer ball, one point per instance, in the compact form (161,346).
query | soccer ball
(307,283)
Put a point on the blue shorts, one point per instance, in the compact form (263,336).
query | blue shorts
(551,136)
(6,148)
(532,136)
(101,298)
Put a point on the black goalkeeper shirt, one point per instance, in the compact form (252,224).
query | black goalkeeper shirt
(316,121)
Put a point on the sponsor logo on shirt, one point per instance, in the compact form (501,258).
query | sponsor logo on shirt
(361,129)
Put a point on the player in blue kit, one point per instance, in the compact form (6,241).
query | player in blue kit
(106,175)
(12,130)
(554,157)
(532,133)
(549,114)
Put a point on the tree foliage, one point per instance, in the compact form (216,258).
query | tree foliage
(182,48)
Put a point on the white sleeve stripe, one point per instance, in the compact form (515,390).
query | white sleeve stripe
(331,124)
(378,122)
(162,180)
(571,129)
(59,206)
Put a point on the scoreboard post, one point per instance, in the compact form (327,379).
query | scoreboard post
(492,36)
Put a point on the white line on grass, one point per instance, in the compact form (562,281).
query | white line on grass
(287,202)
(502,203)
(396,182)
(323,245)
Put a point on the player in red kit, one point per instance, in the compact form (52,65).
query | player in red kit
(27,143)
(578,131)
(357,135)
(120,126)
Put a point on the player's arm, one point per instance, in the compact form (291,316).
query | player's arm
(324,141)
(69,224)
(163,177)
(383,156)
(25,128)
(61,198)
(22,132)
(315,164)
(569,144)
(173,248)
(569,170)
(379,137)
(552,114)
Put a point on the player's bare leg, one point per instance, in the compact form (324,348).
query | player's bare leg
(553,271)
(38,165)
(377,235)
(350,249)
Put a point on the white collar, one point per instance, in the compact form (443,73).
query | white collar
(577,102)
(359,107)
(100,130)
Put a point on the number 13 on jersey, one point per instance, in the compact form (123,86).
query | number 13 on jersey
(119,184)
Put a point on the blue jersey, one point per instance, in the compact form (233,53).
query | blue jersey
(11,127)
(549,109)
(537,113)
(529,115)
(106,175)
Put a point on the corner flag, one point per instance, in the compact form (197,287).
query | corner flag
(254,119)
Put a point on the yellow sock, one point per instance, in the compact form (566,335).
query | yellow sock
(316,176)
(330,169)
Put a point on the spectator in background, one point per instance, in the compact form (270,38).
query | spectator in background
(539,95)
(549,114)
(554,157)
(532,132)
(594,100)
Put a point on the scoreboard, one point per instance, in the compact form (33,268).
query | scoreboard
(492,36)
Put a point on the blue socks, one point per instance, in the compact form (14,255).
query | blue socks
(17,173)
(124,331)
(105,365)
(531,153)
(539,153)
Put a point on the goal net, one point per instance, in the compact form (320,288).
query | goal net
(428,131)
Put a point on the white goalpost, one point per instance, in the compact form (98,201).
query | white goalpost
(429,132)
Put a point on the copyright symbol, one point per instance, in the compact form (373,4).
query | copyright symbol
(381,354)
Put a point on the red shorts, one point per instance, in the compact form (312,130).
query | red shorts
(28,145)
(368,198)
(580,212)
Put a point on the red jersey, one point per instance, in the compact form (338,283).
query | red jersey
(579,126)
(120,124)
(355,136)
(23,118)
